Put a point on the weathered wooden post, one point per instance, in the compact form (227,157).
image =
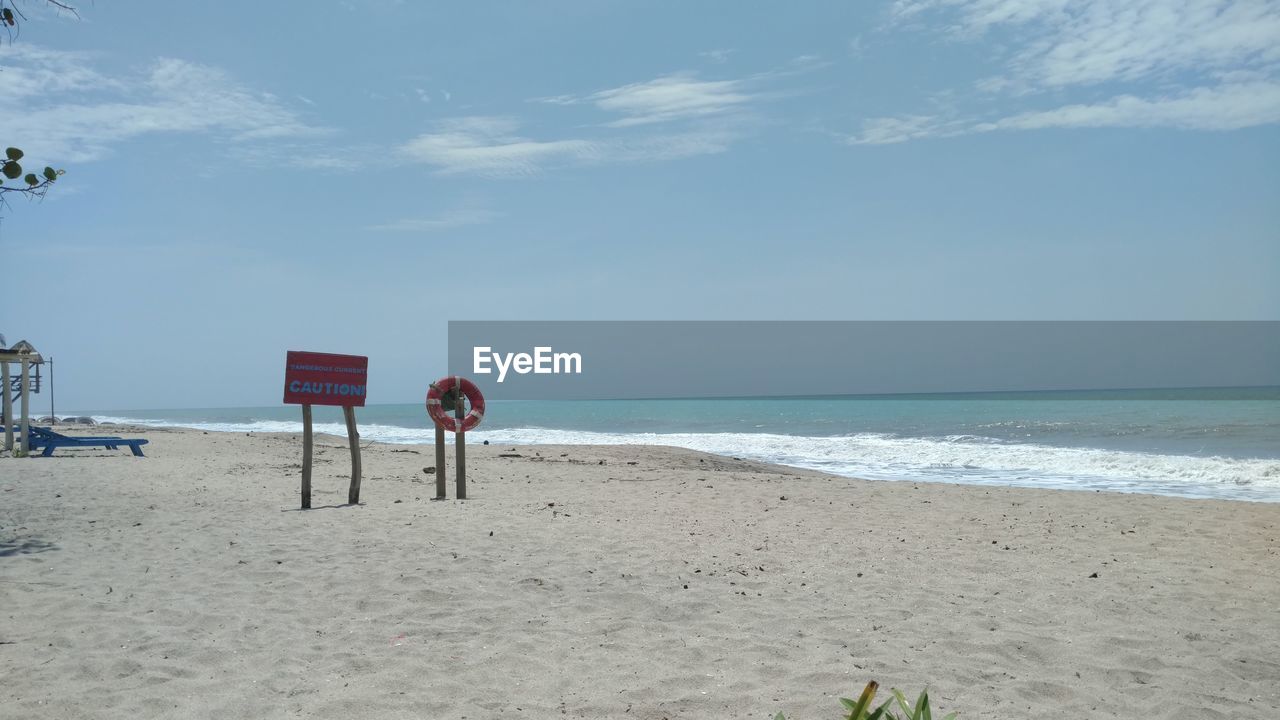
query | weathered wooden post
(306,456)
(8,408)
(440,482)
(26,407)
(353,439)
(460,450)
(327,379)
(26,356)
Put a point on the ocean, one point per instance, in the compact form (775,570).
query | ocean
(1199,443)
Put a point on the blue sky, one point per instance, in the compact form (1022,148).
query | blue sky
(246,178)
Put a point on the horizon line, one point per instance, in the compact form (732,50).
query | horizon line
(806,396)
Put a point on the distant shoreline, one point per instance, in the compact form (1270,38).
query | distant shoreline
(877,458)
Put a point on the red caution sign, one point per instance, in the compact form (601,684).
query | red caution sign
(312,378)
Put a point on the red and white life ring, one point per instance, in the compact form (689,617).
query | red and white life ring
(443,416)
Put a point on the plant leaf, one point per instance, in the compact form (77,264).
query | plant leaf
(859,711)
(50,174)
(12,170)
(13,153)
(902,701)
(779,716)
(32,179)
(922,706)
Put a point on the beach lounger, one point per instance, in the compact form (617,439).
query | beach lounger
(50,441)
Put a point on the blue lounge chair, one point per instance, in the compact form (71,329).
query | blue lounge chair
(50,441)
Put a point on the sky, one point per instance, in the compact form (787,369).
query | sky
(245,178)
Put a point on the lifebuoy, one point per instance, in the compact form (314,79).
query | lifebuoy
(443,416)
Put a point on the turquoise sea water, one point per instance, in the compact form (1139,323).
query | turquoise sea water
(1220,443)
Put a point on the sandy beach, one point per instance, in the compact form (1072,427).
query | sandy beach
(610,582)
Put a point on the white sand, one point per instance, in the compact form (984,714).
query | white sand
(187,584)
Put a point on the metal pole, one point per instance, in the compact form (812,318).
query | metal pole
(53,419)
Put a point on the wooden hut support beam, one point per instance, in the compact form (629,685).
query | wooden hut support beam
(8,410)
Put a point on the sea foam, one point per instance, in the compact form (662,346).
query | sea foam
(967,459)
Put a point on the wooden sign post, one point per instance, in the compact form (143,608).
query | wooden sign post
(327,379)
(306,456)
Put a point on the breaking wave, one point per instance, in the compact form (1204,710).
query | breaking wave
(966,459)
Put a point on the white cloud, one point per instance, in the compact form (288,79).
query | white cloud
(1082,42)
(1226,107)
(73,113)
(1230,106)
(1193,64)
(29,71)
(491,146)
(696,117)
(684,96)
(557,100)
(677,115)
(671,97)
(979,15)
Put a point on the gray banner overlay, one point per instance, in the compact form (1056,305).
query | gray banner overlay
(693,359)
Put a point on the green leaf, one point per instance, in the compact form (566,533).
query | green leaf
(32,179)
(880,712)
(922,706)
(902,701)
(779,716)
(13,153)
(848,704)
(859,709)
(12,170)
(50,174)
(8,16)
